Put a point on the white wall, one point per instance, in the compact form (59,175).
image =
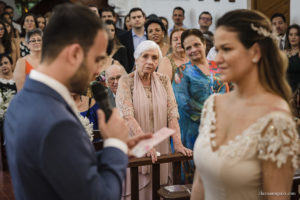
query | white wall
(192,8)
(295,12)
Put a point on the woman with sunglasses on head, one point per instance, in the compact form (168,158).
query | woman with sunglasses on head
(26,64)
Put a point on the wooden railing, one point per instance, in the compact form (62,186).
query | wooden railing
(134,163)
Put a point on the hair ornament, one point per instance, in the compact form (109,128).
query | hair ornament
(264,32)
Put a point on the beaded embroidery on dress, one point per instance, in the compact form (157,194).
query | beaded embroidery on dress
(234,169)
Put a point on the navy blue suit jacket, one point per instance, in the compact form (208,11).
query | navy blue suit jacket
(50,155)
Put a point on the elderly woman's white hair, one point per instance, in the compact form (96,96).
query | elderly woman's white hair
(145,46)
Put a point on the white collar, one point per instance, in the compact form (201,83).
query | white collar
(55,85)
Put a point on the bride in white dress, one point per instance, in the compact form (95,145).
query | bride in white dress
(247,148)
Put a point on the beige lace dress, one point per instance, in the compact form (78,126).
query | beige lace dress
(234,170)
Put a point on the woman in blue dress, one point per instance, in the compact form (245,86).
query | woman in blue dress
(194,82)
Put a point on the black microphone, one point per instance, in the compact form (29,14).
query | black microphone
(100,95)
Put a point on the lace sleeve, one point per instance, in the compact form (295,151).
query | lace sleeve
(124,97)
(278,141)
(125,105)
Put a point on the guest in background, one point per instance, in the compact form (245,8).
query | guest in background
(176,58)
(132,38)
(26,64)
(6,16)
(7,46)
(292,51)
(12,32)
(7,86)
(94,8)
(112,77)
(293,40)
(248,145)
(293,72)
(205,21)
(147,103)
(6,72)
(2,6)
(41,21)
(166,24)
(279,23)
(87,107)
(47,16)
(177,17)
(194,82)
(127,25)
(108,13)
(10,10)
(156,32)
(28,23)
(119,51)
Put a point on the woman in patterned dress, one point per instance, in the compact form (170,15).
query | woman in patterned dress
(194,82)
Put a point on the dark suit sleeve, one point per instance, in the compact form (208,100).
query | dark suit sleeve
(73,169)
(121,56)
(127,41)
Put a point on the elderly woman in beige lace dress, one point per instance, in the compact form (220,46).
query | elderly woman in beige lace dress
(147,103)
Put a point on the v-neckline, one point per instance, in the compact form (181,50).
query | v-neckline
(207,75)
(241,134)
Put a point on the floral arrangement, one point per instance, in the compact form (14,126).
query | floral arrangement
(5,98)
(87,125)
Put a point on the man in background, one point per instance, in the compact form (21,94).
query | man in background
(112,77)
(177,17)
(205,21)
(109,14)
(279,23)
(132,38)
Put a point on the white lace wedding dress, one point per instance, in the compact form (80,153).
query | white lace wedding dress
(234,171)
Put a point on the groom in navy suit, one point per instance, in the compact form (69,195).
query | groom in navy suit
(49,153)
